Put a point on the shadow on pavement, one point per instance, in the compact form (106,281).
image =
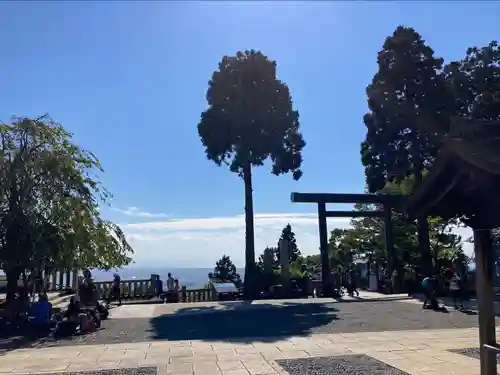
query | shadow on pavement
(264,322)
(20,339)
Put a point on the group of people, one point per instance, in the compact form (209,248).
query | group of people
(171,294)
(430,287)
(81,311)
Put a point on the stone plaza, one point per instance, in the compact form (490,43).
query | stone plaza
(371,334)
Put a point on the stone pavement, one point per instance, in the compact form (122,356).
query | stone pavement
(421,352)
(293,337)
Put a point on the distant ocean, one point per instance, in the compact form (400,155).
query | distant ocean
(190,277)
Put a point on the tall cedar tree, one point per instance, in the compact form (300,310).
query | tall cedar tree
(250,118)
(288,235)
(409,105)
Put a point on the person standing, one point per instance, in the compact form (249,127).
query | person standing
(410,281)
(116,290)
(169,295)
(456,291)
(170,282)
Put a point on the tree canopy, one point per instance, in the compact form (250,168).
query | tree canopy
(367,237)
(288,235)
(406,93)
(225,271)
(250,118)
(412,101)
(49,203)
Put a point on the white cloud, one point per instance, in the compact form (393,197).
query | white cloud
(200,242)
(134,211)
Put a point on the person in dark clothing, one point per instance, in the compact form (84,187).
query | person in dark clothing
(75,316)
(88,295)
(87,290)
(410,280)
(115,294)
(159,286)
(429,285)
(352,284)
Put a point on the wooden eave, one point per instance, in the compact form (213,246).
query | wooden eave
(465,178)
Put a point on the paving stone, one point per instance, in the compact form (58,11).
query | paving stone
(471,352)
(258,367)
(286,320)
(180,368)
(235,372)
(230,365)
(122,371)
(338,365)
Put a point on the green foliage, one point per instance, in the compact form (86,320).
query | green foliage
(225,271)
(267,260)
(475,83)
(250,118)
(49,213)
(367,236)
(288,235)
(406,94)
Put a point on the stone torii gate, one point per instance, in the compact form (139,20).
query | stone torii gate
(321,199)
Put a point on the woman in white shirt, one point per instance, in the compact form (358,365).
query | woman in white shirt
(456,292)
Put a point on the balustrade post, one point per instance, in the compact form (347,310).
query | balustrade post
(61,278)
(53,285)
(68,278)
(74,284)
(183,293)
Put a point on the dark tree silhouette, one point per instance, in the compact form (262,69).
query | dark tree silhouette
(250,118)
(293,250)
(225,270)
(410,105)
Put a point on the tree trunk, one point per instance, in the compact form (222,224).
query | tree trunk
(422,223)
(249,235)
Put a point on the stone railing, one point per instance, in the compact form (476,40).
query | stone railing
(197,295)
(146,289)
(129,289)
(64,279)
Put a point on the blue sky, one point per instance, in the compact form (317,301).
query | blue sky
(129,79)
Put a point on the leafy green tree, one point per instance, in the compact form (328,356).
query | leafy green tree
(250,118)
(267,260)
(49,213)
(288,235)
(410,104)
(475,83)
(225,270)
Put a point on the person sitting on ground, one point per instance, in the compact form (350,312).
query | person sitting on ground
(42,312)
(75,316)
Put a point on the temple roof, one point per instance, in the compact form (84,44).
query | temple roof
(465,179)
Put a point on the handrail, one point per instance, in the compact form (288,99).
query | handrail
(493,348)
